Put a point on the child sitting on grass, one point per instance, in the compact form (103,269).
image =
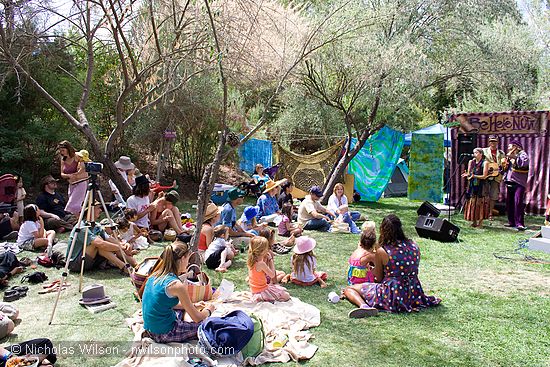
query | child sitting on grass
(364,263)
(304,264)
(269,235)
(286,227)
(260,273)
(248,220)
(220,251)
(31,233)
(131,234)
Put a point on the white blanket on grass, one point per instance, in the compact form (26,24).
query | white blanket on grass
(291,318)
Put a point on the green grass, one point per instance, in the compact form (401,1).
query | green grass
(494,312)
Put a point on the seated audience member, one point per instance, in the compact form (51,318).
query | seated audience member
(140,201)
(41,348)
(259,175)
(211,216)
(220,252)
(400,289)
(9,226)
(338,206)
(286,194)
(228,217)
(248,220)
(9,313)
(311,214)
(365,263)
(269,210)
(166,214)
(52,206)
(9,266)
(99,246)
(286,227)
(166,299)
(31,234)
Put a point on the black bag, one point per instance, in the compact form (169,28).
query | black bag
(35,278)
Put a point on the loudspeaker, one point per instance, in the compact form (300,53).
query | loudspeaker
(466,144)
(428,210)
(439,229)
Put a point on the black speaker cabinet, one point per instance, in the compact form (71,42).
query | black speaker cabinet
(466,144)
(428,209)
(439,229)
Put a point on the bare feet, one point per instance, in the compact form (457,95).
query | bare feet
(322,283)
(17,270)
(221,270)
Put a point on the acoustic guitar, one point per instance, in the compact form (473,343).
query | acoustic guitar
(494,171)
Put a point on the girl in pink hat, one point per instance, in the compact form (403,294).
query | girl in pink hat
(304,264)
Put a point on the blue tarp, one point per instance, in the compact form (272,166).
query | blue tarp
(373,166)
(434,129)
(255,151)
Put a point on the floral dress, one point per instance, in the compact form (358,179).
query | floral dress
(400,290)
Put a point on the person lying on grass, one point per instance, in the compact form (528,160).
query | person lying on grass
(99,246)
(400,289)
(166,301)
(220,251)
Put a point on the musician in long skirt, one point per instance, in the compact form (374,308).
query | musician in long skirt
(477,205)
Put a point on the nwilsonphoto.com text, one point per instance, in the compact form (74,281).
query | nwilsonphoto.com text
(122,349)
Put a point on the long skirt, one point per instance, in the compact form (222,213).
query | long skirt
(76,197)
(476,208)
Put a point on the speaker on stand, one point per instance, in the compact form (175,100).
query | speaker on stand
(466,144)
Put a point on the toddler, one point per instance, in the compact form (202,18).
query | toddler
(248,221)
(364,264)
(131,234)
(259,270)
(304,264)
(286,227)
(31,233)
(21,194)
(219,253)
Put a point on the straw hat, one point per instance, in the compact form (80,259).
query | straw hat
(211,211)
(124,163)
(84,155)
(304,244)
(270,185)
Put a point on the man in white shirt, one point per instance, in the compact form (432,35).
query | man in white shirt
(312,215)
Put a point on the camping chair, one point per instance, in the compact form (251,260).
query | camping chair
(119,204)
(272,171)
(8,193)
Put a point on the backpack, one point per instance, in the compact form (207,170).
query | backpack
(256,344)
(226,335)
(35,278)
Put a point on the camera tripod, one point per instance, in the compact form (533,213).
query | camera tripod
(92,192)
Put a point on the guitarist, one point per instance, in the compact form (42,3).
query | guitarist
(516,175)
(494,157)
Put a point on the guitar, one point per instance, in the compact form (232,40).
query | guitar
(494,171)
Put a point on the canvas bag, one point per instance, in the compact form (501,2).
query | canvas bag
(256,344)
(199,289)
(142,272)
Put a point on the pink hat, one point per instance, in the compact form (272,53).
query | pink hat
(304,244)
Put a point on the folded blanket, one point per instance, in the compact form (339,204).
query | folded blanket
(291,319)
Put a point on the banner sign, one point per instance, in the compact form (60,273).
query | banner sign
(505,123)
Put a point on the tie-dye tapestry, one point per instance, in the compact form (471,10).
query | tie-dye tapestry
(255,151)
(373,166)
(426,168)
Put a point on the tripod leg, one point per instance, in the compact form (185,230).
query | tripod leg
(127,265)
(90,214)
(66,268)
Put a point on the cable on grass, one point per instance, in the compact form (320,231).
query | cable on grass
(522,244)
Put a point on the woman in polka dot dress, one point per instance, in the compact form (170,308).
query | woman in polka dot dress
(400,290)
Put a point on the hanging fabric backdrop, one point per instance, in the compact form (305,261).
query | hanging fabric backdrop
(373,166)
(307,170)
(426,168)
(255,151)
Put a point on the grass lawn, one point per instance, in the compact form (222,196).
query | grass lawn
(494,312)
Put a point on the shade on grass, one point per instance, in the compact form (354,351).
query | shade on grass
(494,312)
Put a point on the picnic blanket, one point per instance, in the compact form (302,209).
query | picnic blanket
(292,318)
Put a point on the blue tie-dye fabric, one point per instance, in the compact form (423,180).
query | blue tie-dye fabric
(255,151)
(373,166)
(426,168)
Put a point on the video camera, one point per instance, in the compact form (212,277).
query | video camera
(93,168)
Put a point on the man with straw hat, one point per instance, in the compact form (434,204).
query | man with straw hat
(267,202)
(229,218)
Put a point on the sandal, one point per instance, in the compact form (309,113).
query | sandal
(280,249)
(53,289)
(360,313)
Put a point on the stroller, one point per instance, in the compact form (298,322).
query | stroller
(8,193)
